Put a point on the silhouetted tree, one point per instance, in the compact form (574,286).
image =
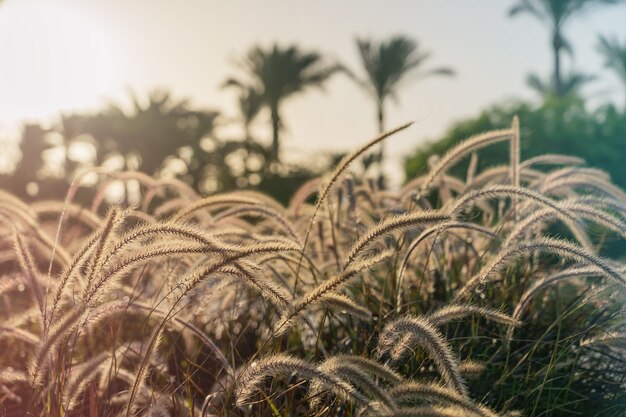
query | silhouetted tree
(151,132)
(29,179)
(614,54)
(387,66)
(278,73)
(250,103)
(555,14)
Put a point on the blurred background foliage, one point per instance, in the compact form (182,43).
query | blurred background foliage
(167,137)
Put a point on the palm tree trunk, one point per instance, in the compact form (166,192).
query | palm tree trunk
(381,129)
(274,151)
(381,151)
(556,48)
(381,118)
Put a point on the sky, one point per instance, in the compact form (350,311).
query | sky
(64,55)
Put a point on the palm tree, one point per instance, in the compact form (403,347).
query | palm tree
(250,102)
(388,65)
(556,13)
(281,72)
(152,131)
(571,83)
(615,56)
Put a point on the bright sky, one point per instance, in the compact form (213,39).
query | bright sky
(59,55)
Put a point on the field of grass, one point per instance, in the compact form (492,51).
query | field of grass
(478,296)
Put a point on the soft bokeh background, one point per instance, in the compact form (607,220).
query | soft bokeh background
(67,56)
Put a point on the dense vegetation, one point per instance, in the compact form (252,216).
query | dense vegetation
(448,298)
(554,126)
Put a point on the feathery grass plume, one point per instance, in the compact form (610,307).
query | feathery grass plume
(513,413)
(95,262)
(29,270)
(87,371)
(161,183)
(499,191)
(110,277)
(20,206)
(606,339)
(302,194)
(179,231)
(499,175)
(471,168)
(514,161)
(453,312)
(201,272)
(599,185)
(112,308)
(372,367)
(411,392)
(348,159)
(583,211)
(423,236)
(79,259)
(469,145)
(251,378)
(327,286)
(557,247)
(15,216)
(394,223)
(427,336)
(79,213)
(346,305)
(169,206)
(567,172)
(341,167)
(63,326)
(551,159)
(425,411)
(10,376)
(354,375)
(216,200)
(275,293)
(616,206)
(155,340)
(471,368)
(143,179)
(15,333)
(572,272)
(261,211)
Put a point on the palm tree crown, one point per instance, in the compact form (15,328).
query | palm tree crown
(279,72)
(556,13)
(571,84)
(387,65)
(614,54)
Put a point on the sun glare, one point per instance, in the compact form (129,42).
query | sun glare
(54,58)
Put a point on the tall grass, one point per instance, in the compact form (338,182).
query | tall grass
(479,296)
